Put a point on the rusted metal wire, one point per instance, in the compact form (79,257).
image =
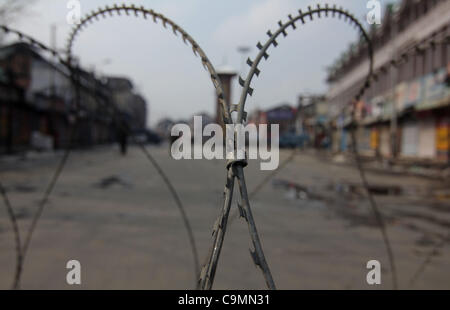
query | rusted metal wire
(20,256)
(197,51)
(417,49)
(257,255)
(33,42)
(208,271)
(37,216)
(179,204)
(234,168)
(378,215)
(59,169)
(176,29)
(247,90)
(266,180)
(428,258)
(16,229)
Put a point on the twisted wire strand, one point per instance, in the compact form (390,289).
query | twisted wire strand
(38,214)
(378,215)
(418,49)
(197,50)
(257,255)
(273,42)
(222,221)
(421,269)
(260,186)
(247,90)
(180,206)
(20,252)
(55,177)
(33,42)
(394,63)
(176,29)
(16,230)
(209,268)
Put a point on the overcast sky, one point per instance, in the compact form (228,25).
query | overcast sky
(166,71)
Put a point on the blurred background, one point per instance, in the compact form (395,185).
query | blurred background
(113,213)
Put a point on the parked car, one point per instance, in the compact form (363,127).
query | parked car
(291,140)
(147,136)
(153,137)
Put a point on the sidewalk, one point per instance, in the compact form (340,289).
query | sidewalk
(411,168)
(23,160)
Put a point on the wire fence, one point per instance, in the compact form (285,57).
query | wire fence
(235,167)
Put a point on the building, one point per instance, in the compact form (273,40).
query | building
(312,119)
(284,115)
(164,127)
(34,101)
(128,102)
(257,117)
(39,103)
(405,114)
(95,124)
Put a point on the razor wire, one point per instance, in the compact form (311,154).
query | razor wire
(197,51)
(258,256)
(225,111)
(145,13)
(10,210)
(428,258)
(234,167)
(76,84)
(16,230)
(416,49)
(395,62)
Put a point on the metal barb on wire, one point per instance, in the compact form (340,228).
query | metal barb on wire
(266,180)
(197,50)
(258,254)
(235,169)
(185,36)
(101,12)
(263,54)
(206,64)
(208,271)
(414,50)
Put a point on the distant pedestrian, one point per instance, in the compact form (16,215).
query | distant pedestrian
(122,133)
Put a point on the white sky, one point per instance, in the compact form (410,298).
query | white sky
(166,71)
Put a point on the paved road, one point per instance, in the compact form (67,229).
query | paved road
(115,215)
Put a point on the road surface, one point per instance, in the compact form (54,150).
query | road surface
(115,216)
